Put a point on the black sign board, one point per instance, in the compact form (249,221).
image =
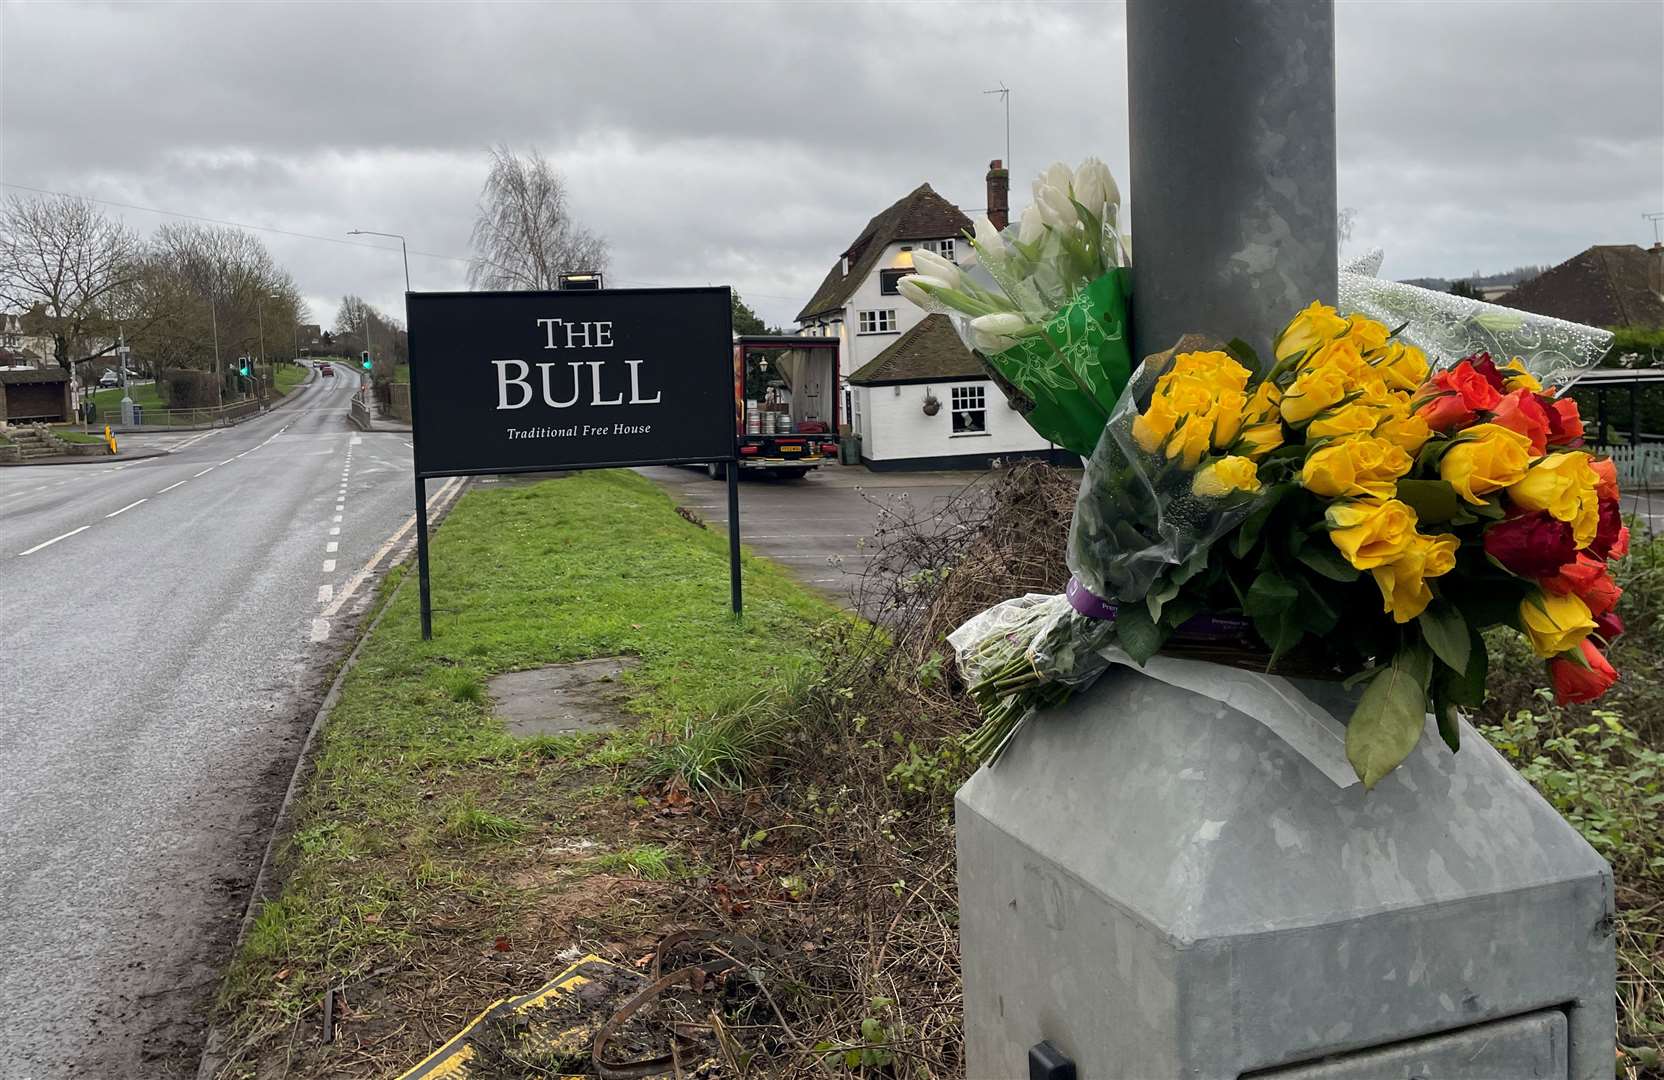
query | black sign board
(520,381)
(504,382)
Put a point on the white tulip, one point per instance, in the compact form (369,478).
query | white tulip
(909,287)
(1002,323)
(987,235)
(1029,227)
(1095,186)
(992,343)
(1057,175)
(933,265)
(1055,208)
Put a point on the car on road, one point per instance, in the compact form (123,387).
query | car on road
(109,378)
(327,370)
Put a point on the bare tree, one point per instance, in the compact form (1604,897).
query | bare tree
(62,262)
(525,236)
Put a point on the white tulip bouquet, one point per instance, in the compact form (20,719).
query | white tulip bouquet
(1044,303)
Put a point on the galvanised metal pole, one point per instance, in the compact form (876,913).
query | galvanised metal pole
(1232,110)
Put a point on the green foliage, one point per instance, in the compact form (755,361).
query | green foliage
(651,861)
(1390,715)
(930,771)
(1600,776)
(468,820)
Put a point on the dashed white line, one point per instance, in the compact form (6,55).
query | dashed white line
(325,593)
(55,539)
(126,508)
(206,471)
(320,629)
(170,487)
(337,517)
(335,530)
(228,460)
(329,566)
(333,545)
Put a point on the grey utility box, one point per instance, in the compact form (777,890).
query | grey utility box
(1162,888)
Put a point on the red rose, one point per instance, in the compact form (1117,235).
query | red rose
(1584,678)
(1620,546)
(1565,426)
(1486,367)
(1444,412)
(1608,627)
(1521,411)
(1531,545)
(1477,390)
(1588,578)
(1608,531)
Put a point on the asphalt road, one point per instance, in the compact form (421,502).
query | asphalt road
(166,626)
(820,527)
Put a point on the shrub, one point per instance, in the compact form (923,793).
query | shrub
(188,388)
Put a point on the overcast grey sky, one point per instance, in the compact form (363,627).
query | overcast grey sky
(746,144)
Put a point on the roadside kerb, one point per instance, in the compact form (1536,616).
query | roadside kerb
(212,1047)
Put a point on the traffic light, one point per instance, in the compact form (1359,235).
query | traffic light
(366,360)
(244,369)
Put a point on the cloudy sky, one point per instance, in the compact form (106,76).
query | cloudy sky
(747,143)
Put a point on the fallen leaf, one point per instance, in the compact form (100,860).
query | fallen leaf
(372,918)
(502,944)
(284,974)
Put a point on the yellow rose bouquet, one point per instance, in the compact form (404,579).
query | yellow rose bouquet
(1348,514)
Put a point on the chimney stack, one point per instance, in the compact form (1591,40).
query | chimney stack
(999,194)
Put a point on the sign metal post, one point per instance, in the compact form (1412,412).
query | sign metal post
(526,382)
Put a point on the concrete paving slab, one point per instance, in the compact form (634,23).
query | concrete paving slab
(563,698)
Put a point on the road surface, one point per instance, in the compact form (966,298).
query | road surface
(165,629)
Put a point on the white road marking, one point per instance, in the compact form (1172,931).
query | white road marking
(333,545)
(170,487)
(337,517)
(436,502)
(206,471)
(320,629)
(55,539)
(329,566)
(356,439)
(228,461)
(335,530)
(126,508)
(325,593)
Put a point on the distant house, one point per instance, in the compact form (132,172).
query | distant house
(1608,285)
(895,358)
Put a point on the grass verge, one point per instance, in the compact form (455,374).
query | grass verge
(289,376)
(438,862)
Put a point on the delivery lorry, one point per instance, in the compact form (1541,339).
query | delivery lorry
(787,420)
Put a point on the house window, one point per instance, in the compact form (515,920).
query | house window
(887,281)
(880,321)
(944,248)
(969,405)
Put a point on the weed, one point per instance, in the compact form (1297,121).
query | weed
(650,861)
(462,685)
(467,819)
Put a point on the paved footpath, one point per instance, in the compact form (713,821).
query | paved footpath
(166,627)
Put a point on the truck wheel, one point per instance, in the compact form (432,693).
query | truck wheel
(715,471)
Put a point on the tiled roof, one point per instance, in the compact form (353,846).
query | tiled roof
(1607,285)
(929,352)
(920,215)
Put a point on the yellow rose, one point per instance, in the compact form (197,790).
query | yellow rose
(1403,582)
(1367,334)
(1361,465)
(1371,533)
(1154,424)
(1262,403)
(1191,442)
(1227,417)
(1222,476)
(1486,458)
(1186,392)
(1555,623)
(1341,354)
(1515,377)
(1310,328)
(1312,392)
(1564,485)
(1408,433)
(1358,417)
(1214,368)
(1261,439)
(1402,367)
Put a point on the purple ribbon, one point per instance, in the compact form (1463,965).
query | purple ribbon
(1199,628)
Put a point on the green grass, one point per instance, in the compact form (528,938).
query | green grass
(148,396)
(70,435)
(289,376)
(421,801)
(401,373)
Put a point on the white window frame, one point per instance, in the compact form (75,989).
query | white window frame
(877,321)
(944,248)
(968,400)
